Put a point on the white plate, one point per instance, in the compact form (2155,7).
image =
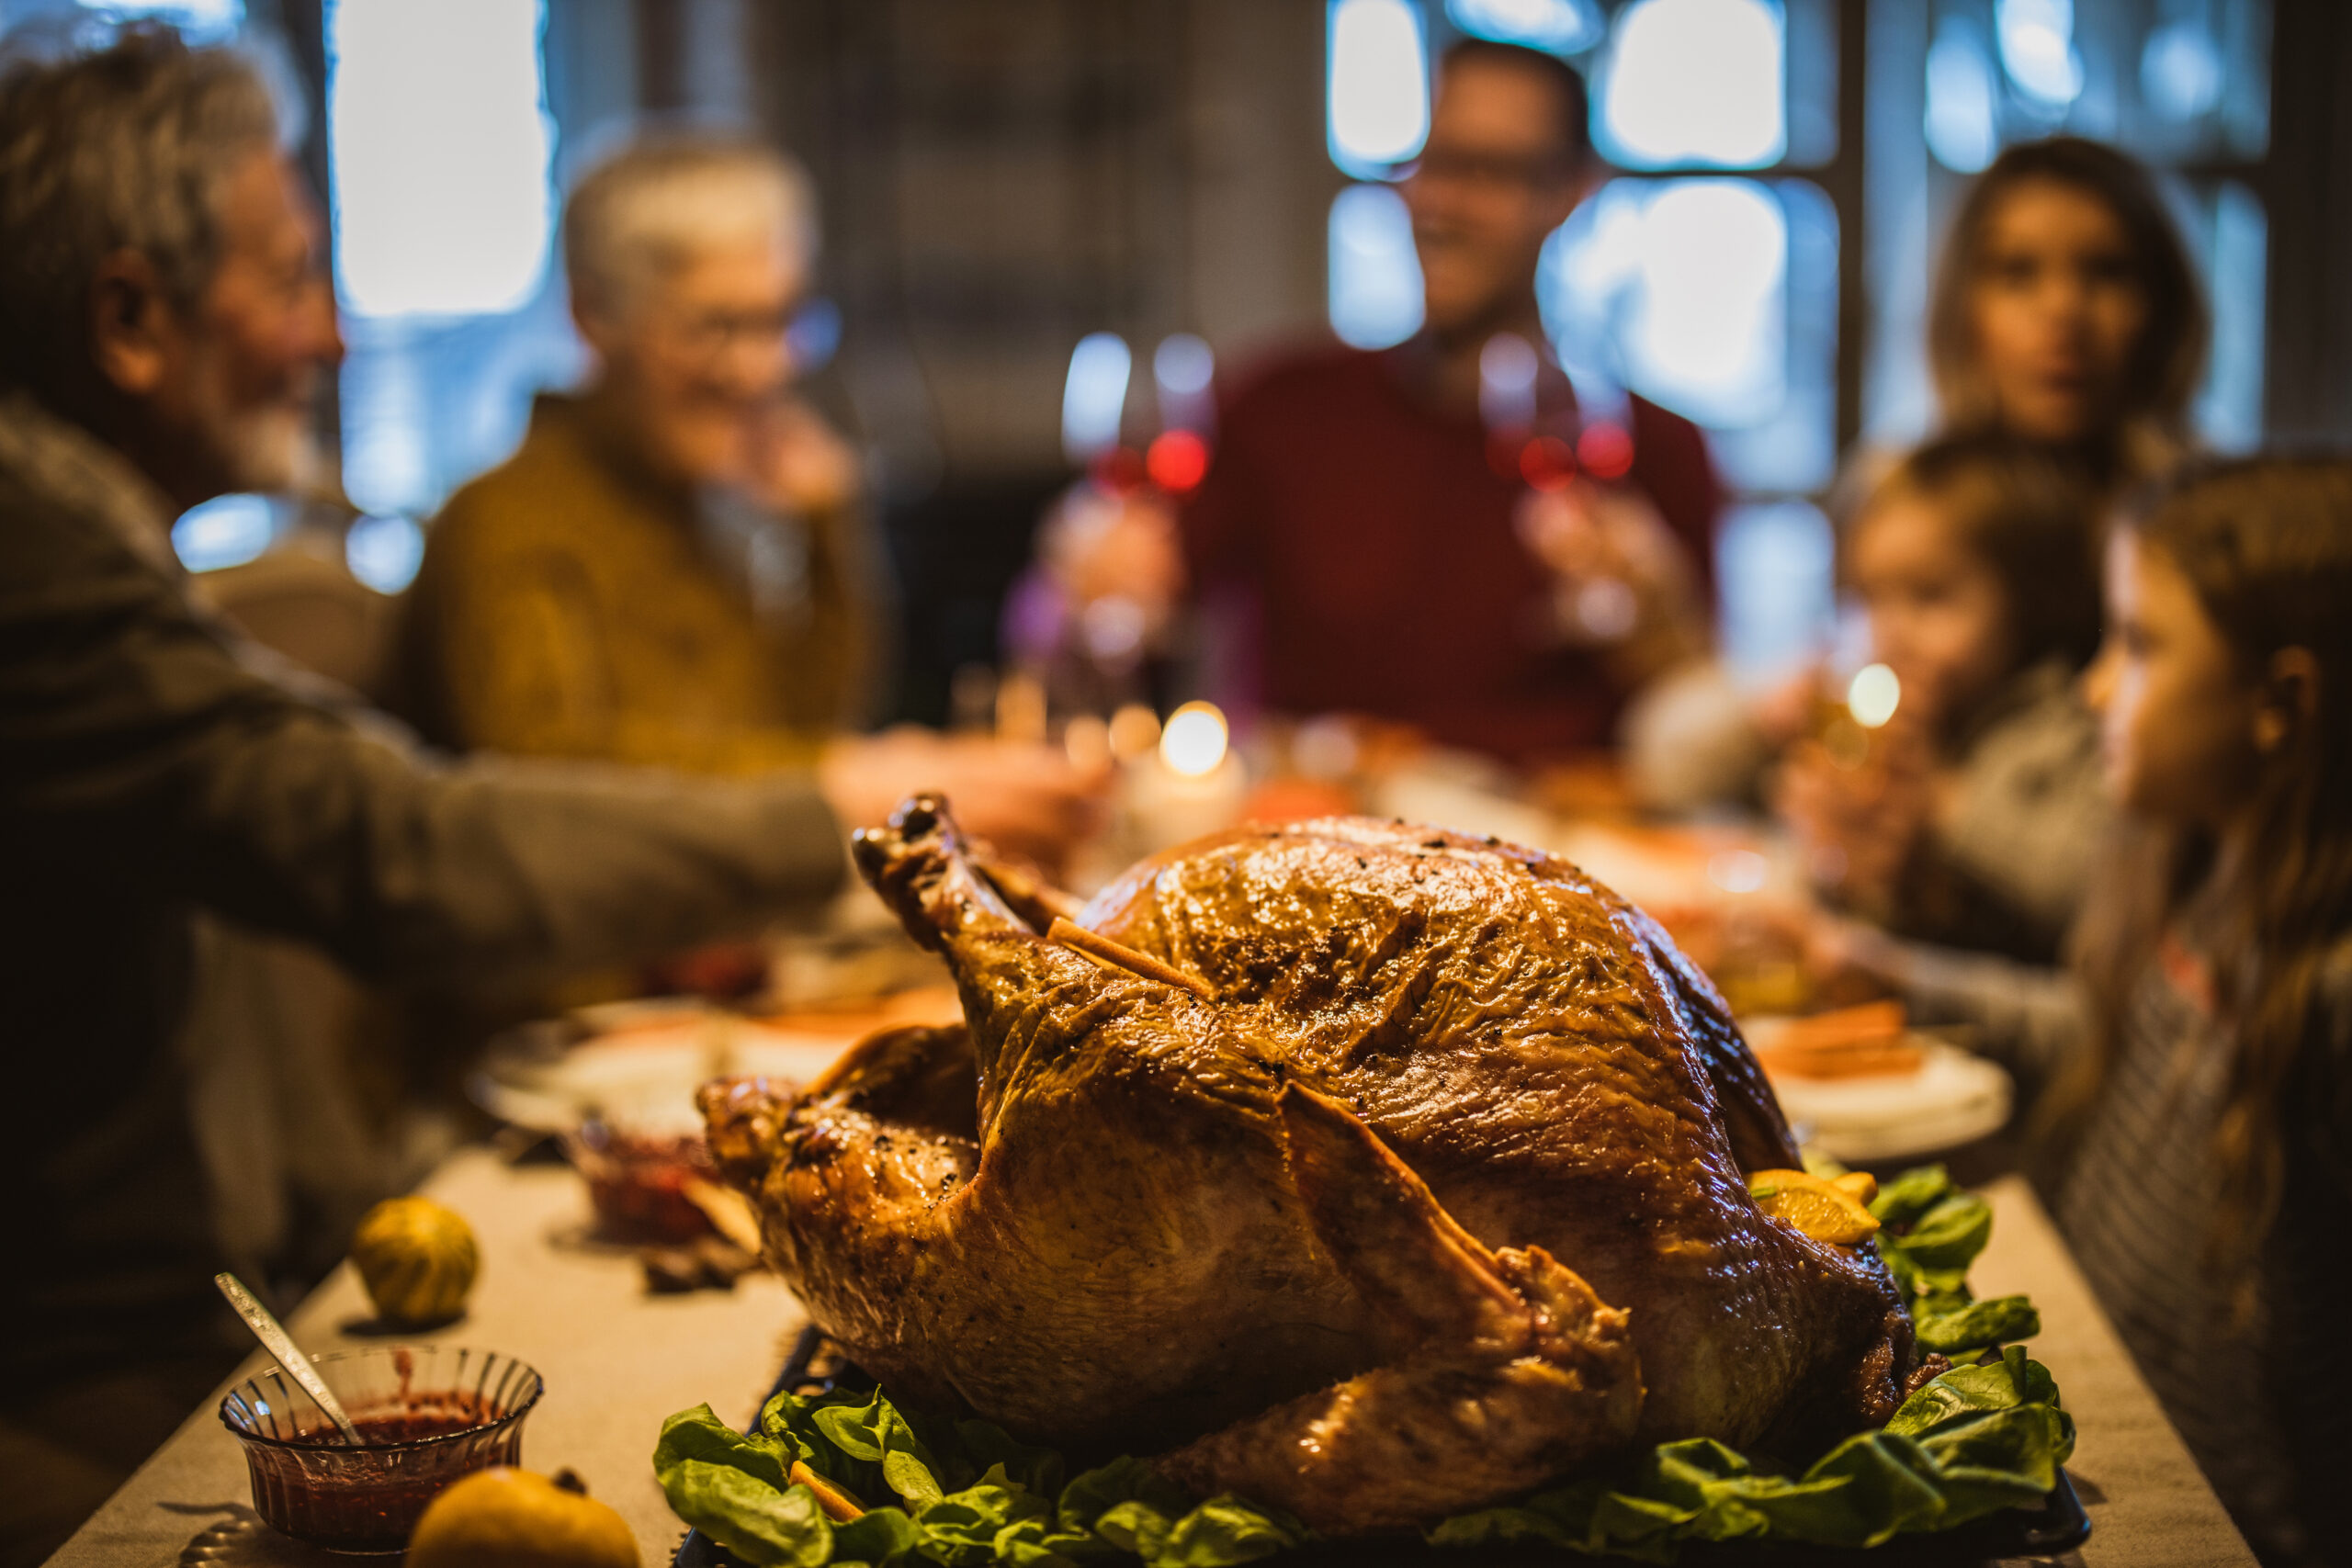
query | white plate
(645,1078)
(1953,1099)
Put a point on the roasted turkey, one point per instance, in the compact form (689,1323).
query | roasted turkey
(1363,1169)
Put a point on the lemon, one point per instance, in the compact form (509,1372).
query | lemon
(417,1258)
(512,1519)
(1823,1210)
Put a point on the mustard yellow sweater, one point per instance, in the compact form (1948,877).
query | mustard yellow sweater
(570,605)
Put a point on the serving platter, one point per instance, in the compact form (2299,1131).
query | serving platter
(2059,1524)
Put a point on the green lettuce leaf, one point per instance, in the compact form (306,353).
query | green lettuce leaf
(1974,1326)
(748,1518)
(877,1539)
(1094,1494)
(1906,1197)
(1951,1234)
(960,1529)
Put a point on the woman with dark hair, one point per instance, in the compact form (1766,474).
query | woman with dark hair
(2066,311)
(2067,315)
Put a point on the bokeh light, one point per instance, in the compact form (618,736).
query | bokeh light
(1378,100)
(1873,695)
(441,141)
(1957,119)
(1693,82)
(1094,396)
(1177,461)
(2037,41)
(1560,27)
(1687,278)
(1376,276)
(228,530)
(1195,740)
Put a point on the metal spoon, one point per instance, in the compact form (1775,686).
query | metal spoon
(279,1343)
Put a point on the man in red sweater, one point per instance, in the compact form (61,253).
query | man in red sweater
(1380,531)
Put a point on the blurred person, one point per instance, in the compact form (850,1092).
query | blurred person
(1353,519)
(1972,816)
(163,323)
(2064,313)
(674,569)
(2200,1050)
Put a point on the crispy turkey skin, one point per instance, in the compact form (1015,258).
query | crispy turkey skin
(1366,1170)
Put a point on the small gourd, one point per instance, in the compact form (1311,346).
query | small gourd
(417,1258)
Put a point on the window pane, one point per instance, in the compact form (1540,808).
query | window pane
(1773,569)
(1681,283)
(2228,407)
(1094,396)
(1563,26)
(1962,99)
(228,530)
(441,143)
(1378,101)
(1693,81)
(1376,276)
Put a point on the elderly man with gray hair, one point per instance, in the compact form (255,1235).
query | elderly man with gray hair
(162,325)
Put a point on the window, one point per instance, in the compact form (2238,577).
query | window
(1376,276)
(441,154)
(440,145)
(1378,102)
(1691,82)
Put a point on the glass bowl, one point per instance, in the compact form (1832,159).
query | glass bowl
(638,1182)
(428,1413)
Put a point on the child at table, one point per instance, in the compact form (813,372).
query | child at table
(2202,1104)
(1969,818)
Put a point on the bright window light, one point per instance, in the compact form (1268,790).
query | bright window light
(201,21)
(1958,116)
(2229,411)
(1376,276)
(1774,574)
(1378,102)
(2180,70)
(1094,396)
(2037,38)
(1690,277)
(1563,26)
(384,552)
(228,530)
(1694,82)
(1182,370)
(441,146)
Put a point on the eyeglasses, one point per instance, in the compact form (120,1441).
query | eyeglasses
(1491,171)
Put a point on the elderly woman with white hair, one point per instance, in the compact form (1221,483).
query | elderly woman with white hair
(673,568)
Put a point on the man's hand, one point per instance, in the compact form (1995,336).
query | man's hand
(1029,800)
(798,463)
(1102,547)
(1625,581)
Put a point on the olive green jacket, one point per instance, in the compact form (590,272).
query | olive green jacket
(153,764)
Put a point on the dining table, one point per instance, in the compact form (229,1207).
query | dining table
(617,1359)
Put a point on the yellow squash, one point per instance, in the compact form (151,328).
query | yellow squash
(417,1258)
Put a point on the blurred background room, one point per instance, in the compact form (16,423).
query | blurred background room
(1043,224)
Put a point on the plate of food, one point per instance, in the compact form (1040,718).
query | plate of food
(637,1065)
(1341,1187)
(1869,1088)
